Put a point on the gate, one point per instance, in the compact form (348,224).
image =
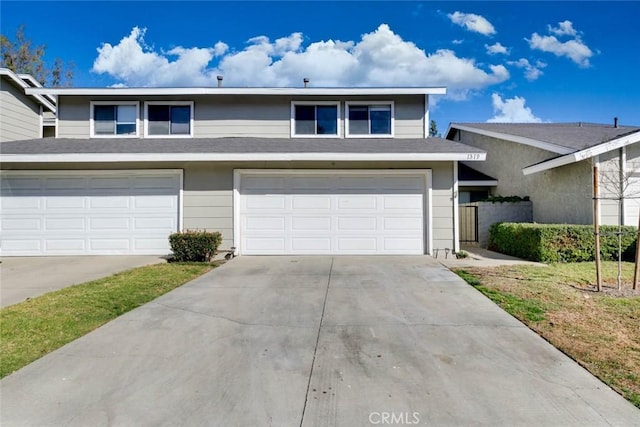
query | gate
(468,223)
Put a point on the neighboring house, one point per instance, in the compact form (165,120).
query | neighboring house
(276,170)
(24,116)
(553,164)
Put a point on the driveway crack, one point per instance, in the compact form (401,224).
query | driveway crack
(315,350)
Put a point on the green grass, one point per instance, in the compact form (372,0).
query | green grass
(33,328)
(599,330)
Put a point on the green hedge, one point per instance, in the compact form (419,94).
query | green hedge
(560,242)
(194,246)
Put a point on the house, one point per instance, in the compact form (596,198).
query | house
(553,164)
(24,116)
(275,170)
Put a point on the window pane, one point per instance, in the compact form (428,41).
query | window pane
(305,119)
(126,113)
(159,119)
(327,119)
(180,120)
(104,119)
(380,119)
(126,128)
(358,120)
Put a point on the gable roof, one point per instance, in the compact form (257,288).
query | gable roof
(572,141)
(235,149)
(25,82)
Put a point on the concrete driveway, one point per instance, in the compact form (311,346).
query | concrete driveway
(29,277)
(313,341)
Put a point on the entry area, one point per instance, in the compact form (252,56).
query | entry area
(306,212)
(120,212)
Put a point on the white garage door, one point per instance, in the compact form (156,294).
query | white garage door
(341,212)
(88,212)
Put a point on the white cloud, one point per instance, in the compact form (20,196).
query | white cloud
(511,111)
(531,72)
(574,49)
(564,28)
(458,41)
(379,58)
(496,48)
(472,22)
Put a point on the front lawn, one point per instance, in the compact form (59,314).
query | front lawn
(601,331)
(33,328)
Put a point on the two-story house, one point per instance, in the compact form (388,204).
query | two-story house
(276,170)
(22,115)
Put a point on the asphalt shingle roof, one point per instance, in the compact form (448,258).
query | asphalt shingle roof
(574,136)
(233,145)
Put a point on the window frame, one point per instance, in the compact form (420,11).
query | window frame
(338,133)
(391,104)
(190,104)
(92,127)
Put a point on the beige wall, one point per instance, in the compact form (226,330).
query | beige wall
(19,114)
(208,189)
(611,187)
(559,195)
(241,116)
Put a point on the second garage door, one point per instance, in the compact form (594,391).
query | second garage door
(332,212)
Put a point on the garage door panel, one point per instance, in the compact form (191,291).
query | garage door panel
(109,224)
(257,223)
(356,223)
(403,223)
(266,202)
(64,203)
(88,212)
(310,202)
(21,224)
(74,223)
(402,202)
(357,202)
(303,223)
(65,245)
(311,245)
(333,213)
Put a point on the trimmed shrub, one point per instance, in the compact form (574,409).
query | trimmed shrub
(194,245)
(560,242)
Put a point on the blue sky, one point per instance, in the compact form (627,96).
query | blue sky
(502,61)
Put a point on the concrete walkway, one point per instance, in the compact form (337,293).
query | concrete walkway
(29,277)
(480,257)
(313,341)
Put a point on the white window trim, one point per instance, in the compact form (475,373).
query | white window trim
(369,103)
(146,118)
(92,124)
(293,119)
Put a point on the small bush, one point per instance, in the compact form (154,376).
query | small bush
(194,246)
(560,242)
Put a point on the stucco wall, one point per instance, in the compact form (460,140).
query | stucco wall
(560,195)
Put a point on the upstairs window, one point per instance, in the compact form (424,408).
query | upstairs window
(109,119)
(315,119)
(173,119)
(369,120)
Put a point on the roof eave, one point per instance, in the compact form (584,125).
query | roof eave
(587,153)
(239,157)
(236,91)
